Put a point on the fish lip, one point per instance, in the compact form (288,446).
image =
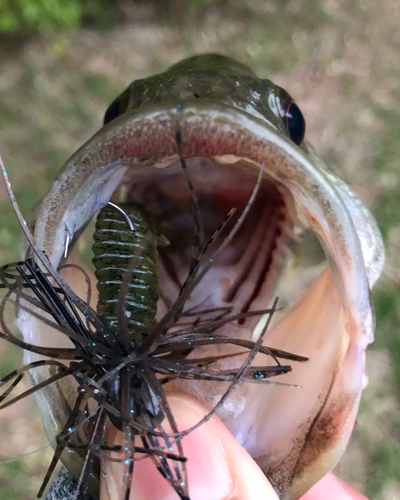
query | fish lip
(147,137)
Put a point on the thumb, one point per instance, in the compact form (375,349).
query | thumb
(218,467)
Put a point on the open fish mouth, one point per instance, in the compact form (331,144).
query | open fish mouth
(296,434)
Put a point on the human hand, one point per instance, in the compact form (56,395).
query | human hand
(218,467)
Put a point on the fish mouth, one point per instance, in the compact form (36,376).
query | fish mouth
(331,322)
(225,149)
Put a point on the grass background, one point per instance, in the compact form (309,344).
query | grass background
(340,60)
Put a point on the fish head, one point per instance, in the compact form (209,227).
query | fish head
(229,125)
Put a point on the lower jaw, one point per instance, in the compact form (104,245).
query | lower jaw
(297,432)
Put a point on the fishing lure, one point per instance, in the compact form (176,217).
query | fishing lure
(122,376)
(121,233)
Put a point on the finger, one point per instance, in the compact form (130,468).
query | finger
(218,467)
(333,488)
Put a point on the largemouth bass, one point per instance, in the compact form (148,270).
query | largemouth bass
(232,124)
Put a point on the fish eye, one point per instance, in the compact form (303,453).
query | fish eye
(117,107)
(294,123)
(291,116)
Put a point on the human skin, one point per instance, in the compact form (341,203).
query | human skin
(218,467)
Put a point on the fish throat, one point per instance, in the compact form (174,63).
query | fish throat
(246,273)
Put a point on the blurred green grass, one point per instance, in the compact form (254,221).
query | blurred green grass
(46,17)
(340,60)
